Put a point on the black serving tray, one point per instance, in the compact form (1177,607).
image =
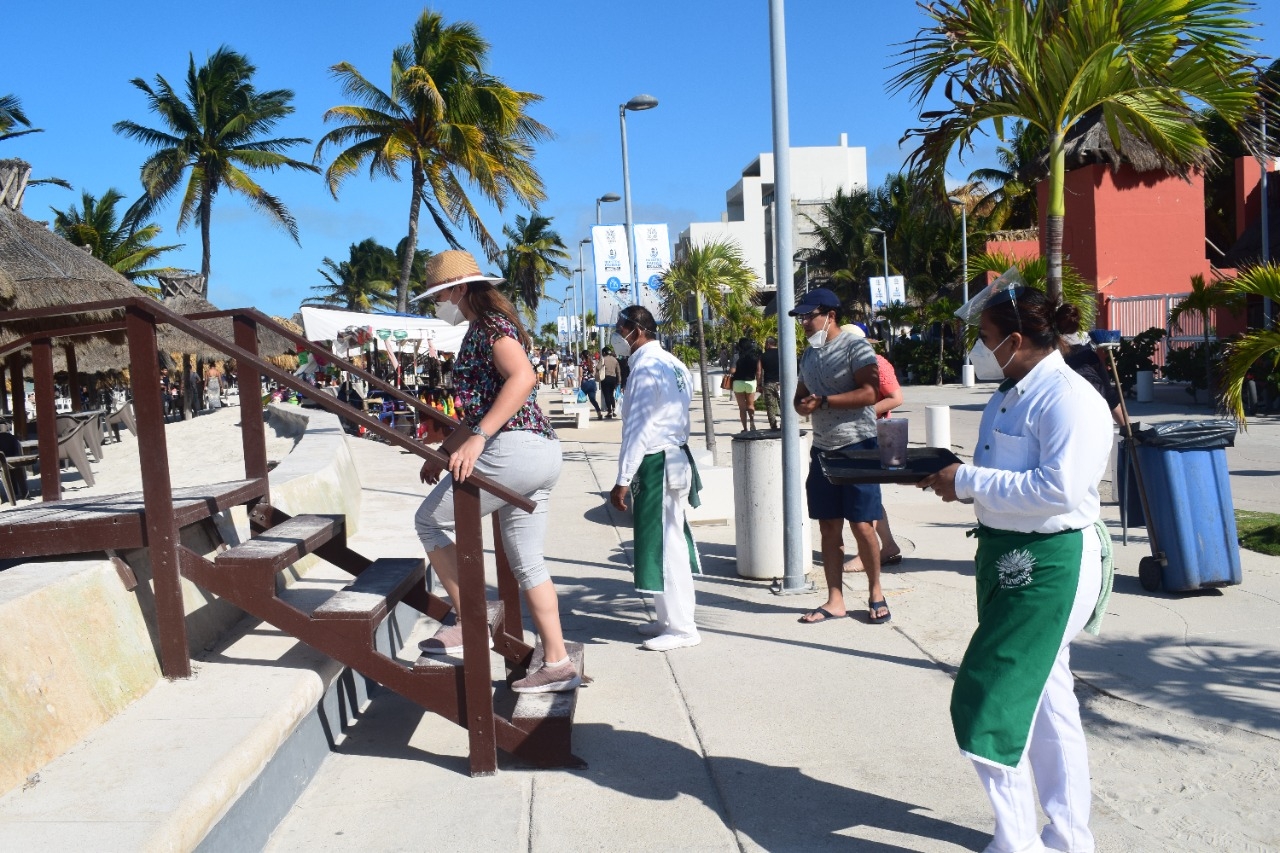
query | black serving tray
(859,467)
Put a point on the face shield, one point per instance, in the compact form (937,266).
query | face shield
(1003,289)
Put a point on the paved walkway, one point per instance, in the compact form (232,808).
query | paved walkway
(778,736)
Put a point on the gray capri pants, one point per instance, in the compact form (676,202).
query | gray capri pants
(524,462)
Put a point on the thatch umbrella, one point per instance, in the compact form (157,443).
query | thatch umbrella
(1090,142)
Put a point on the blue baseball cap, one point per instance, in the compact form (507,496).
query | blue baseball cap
(819,297)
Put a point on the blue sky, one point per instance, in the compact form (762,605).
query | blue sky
(706,61)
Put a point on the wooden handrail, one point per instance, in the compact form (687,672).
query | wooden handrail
(159,313)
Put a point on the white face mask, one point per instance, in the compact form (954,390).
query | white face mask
(819,338)
(985,364)
(450,313)
(621,346)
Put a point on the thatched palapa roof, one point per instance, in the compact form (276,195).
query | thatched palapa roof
(1090,142)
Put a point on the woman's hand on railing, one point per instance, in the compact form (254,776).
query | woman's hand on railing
(463,460)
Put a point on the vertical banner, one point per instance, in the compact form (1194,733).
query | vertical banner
(897,290)
(562,330)
(613,271)
(879,295)
(653,256)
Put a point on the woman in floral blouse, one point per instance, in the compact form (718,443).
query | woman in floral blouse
(512,442)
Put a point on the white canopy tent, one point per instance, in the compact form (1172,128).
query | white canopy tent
(328,324)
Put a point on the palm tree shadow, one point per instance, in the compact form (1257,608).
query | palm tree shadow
(778,808)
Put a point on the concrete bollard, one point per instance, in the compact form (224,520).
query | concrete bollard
(757,498)
(1146,386)
(937,426)
(967,375)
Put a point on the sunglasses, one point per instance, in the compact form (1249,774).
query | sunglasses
(813,315)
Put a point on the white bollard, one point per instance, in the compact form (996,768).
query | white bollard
(967,375)
(1146,386)
(937,426)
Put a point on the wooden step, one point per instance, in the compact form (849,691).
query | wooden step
(429,663)
(533,708)
(283,545)
(372,595)
(540,730)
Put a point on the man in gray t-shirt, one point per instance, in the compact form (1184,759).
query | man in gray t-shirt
(839,381)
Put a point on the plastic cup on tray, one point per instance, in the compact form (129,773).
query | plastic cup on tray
(891,435)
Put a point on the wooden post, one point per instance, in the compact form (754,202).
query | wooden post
(252,432)
(46,419)
(19,396)
(477,680)
(73,377)
(157,494)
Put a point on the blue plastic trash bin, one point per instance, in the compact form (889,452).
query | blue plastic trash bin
(1184,468)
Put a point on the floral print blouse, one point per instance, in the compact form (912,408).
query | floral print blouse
(476,380)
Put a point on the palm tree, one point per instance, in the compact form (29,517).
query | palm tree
(534,255)
(11,116)
(126,249)
(360,283)
(1201,302)
(846,251)
(897,315)
(214,136)
(1256,345)
(1011,200)
(713,274)
(1051,62)
(943,312)
(450,121)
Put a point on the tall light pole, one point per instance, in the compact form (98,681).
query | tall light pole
(795,561)
(884,241)
(571,298)
(966,370)
(636,104)
(610,197)
(582,283)
(1267,160)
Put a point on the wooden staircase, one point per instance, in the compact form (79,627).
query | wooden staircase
(535,728)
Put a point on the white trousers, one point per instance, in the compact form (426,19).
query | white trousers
(673,607)
(1057,756)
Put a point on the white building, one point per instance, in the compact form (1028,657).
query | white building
(816,173)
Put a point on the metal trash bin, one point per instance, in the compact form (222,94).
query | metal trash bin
(1184,469)
(757,504)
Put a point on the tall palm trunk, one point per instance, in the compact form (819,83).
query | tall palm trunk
(1057,210)
(406,263)
(206,213)
(708,422)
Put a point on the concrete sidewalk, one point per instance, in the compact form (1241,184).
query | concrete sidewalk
(780,736)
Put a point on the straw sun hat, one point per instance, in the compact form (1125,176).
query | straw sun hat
(453,266)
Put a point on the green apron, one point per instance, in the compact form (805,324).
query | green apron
(648,488)
(1026,587)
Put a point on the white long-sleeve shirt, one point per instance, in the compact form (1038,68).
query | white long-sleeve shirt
(655,407)
(1042,448)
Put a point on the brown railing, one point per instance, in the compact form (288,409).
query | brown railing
(141,316)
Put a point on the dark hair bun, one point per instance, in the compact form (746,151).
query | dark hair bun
(1067,319)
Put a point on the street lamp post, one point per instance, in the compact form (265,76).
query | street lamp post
(636,104)
(571,298)
(610,197)
(871,297)
(582,283)
(966,369)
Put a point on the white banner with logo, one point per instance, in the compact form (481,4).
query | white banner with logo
(879,294)
(897,290)
(613,270)
(653,256)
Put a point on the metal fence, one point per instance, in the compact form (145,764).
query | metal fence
(1133,315)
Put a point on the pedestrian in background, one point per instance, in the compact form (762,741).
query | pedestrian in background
(746,379)
(770,382)
(610,377)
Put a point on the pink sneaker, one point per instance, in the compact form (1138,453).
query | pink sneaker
(446,641)
(549,679)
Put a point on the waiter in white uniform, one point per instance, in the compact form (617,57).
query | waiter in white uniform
(1042,448)
(655,467)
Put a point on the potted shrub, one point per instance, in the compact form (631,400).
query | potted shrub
(1136,355)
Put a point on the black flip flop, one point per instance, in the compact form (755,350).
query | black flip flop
(872,607)
(826,617)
